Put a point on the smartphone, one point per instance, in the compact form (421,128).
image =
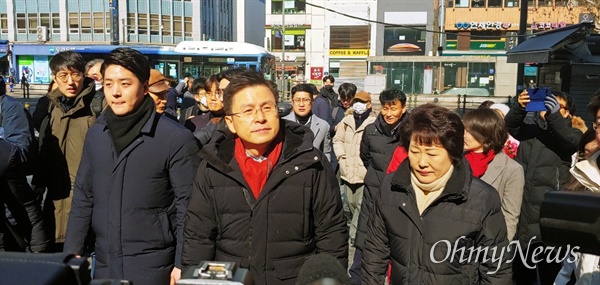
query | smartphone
(537,97)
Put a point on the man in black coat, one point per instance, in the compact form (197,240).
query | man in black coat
(547,143)
(264,197)
(378,143)
(134,180)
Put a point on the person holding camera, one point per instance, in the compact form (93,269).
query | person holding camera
(548,141)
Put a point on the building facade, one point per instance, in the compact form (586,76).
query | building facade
(37,29)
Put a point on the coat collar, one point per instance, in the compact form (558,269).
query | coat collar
(297,139)
(457,188)
(496,166)
(89,89)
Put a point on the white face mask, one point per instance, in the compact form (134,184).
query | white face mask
(204,102)
(98,85)
(359,107)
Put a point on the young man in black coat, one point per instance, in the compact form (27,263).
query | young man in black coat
(134,180)
(263,197)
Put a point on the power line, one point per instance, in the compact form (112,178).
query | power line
(405,26)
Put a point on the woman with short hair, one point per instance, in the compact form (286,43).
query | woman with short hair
(431,209)
(485,136)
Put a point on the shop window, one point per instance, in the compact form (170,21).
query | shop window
(461,3)
(349,37)
(477,3)
(544,3)
(511,3)
(131,27)
(494,3)
(409,34)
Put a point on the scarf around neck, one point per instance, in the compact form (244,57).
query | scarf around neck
(479,162)
(124,129)
(426,193)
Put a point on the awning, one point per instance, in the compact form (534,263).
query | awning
(540,47)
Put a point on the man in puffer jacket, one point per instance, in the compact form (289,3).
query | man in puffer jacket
(346,146)
(547,143)
(379,141)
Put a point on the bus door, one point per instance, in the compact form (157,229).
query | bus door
(168,68)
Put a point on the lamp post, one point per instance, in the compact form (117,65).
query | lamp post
(284,88)
(521,38)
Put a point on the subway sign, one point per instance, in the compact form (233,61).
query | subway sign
(478,45)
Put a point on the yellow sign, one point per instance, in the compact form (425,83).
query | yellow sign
(348,52)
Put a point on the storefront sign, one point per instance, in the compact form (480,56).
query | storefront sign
(489,25)
(349,52)
(547,25)
(316,73)
(400,47)
(478,45)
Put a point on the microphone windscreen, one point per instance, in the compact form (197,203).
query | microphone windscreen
(320,269)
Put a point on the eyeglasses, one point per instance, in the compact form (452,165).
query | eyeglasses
(303,100)
(218,94)
(249,114)
(64,76)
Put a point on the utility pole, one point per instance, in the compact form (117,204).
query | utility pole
(283,52)
(436,26)
(521,38)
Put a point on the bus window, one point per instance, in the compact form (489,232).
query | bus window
(253,67)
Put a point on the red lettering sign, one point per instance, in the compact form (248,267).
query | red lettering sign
(316,73)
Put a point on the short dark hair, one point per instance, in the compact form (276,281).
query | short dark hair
(131,60)
(487,127)
(485,104)
(594,105)
(91,63)
(198,84)
(248,78)
(329,77)
(302,88)
(210,81)
(172,81)
(347,91)
(430,124)
(231,74)
(69,60)
(389,96)
(568,99)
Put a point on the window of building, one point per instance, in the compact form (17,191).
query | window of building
(188,26)
(295,39)
(55,20)
(290,6)
(44,19)
(142,24)
(21,23)
(3,23)
(349,37)
(32,20)
(177,26)
(155,25)
(86,22)
(99,24)
(73,23)
(166,25)
(477,3)
(494,3)
(544,3)
(417,33)
(131,23)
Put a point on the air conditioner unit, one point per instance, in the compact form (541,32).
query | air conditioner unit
(42,34)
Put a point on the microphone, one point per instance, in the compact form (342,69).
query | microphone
(322,269)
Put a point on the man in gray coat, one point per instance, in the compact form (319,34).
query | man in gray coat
(134,180)
(302,101)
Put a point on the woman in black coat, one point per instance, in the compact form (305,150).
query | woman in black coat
(432,213)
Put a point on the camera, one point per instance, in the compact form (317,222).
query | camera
(215,272)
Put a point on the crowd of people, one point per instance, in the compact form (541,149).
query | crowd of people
(149,177)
